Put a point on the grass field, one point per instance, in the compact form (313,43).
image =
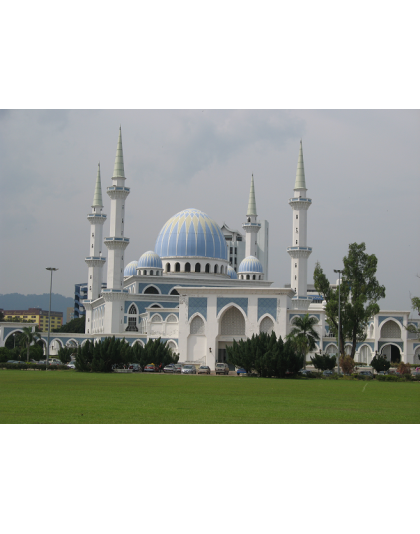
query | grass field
(72,397)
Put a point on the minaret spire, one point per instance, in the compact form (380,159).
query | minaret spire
(252,205)
(97,196)
(300,171)
(119,160)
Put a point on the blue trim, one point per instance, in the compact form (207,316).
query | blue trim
(241,302)
(398,343)
(267,305)
(383,317)
(371,344)
(197,305)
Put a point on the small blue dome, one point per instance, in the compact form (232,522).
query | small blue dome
(250,264)
(150,260)
(191,233)
(130,268)
(232,273)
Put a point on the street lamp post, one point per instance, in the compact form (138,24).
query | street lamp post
(339,311)
(51,269)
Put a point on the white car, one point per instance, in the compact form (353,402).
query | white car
(71,365)
(222,369)
(189,370)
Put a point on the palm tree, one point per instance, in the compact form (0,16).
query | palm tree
(304,335)
(27,338)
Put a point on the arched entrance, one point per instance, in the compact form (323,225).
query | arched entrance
(392,353)
(232,326)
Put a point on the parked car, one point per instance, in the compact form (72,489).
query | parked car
(222,369)
(328,373)
(170,368)
(71,365)
(189,370)
(365,373)
(151,368)
(241,371)
(383,373)
(305,372)
(177,368)
(135,366)
(203,370)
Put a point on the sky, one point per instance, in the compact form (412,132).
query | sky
(361,167)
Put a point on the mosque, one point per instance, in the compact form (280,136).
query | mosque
(186,291)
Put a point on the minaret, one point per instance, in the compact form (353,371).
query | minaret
(116,245)
(251,227)
(299,251)
(95,261)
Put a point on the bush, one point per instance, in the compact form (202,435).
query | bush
(24,366)
(390,378)
(323,362)
(404,368)
(4,354)
(347,364)
(267,355)
(380,363)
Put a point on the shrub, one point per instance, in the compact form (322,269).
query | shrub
(4,354)
(347,364)
(390,378)
(404,368)
(380,363)
(323,362)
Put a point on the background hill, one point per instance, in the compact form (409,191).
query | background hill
(17,301)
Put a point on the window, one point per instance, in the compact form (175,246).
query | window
(151,290)
(236,250)
(295,277)
(93,235)
(239,238)
(197,267)
(91,246)
(207,267)
(295,265)
(228,237)
(216,269)
(174,292)
(91,277)
(266,325)
(231,250)
(230,260)
(253,276)
(236,261)
(233,323)
(145,272)
(168,267)
(197,326)
(297,216)
(187,267)
(247,276)
(151,272)
(296,242)
(177,267)
(297,231)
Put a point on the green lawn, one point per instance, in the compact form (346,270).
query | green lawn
(72,397)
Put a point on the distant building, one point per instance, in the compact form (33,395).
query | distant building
(80,295)
(69,315)
(236,246)
(37,316)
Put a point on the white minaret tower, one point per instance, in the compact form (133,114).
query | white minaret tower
(299,251)
(116,244)
(95,261)
(251,227)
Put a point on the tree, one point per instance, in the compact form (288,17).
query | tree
(380,363)
(266,355)
(4,354)
(75,326)
(153,352)
(65,353)
(303,335)
(27,338)
(347,364)
(359,294)
(324,362)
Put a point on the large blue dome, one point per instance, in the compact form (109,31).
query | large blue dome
(250,264)
(191,233)
(150,260)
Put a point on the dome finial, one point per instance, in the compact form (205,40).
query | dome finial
(97,196)
(119,159)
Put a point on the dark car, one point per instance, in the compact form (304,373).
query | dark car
(151,368)
(135,366)
(327,373)
(177,368)
(365,373)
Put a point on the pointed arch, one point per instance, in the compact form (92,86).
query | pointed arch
(390,329)
(172,345)
(197,325)
(172,318)
(156,318)
(151,290)
(138,341)
(156,305)
(173,291)
(266,324)
(133,310)
(232,321)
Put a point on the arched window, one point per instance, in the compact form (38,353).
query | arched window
(233,323)
(171,319)
(168,267)
(347,350)
(266,325)
(151,272)
(156,306)
(365,354)
(174,292)
(247,276)
(177,267)
(151,290)
(132,321)
(171,346)
(253,276)
(215,269)
(187,267)
(156,319)
(391,330)
(197,267)
(197,326)
(222,270)
(207,267)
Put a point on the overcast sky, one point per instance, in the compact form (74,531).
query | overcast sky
(362,173)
